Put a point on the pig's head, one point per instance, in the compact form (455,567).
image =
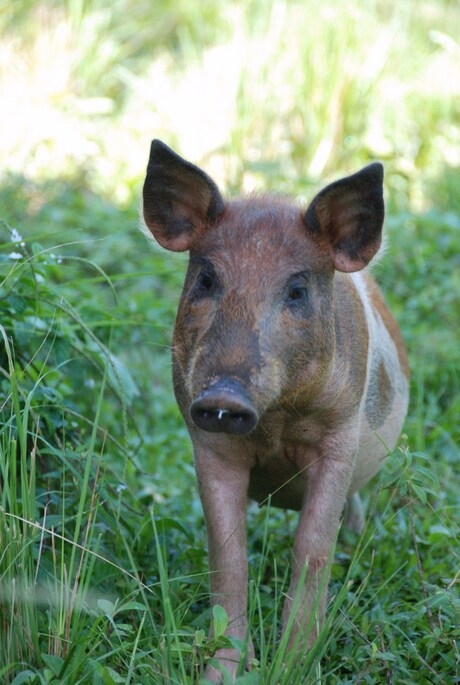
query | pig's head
(256,322)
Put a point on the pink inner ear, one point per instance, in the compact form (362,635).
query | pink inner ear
(343,263)
(177,241)
(349,263)
(342,216)
(180,243)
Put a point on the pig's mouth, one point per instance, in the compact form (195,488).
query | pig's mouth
(224,407)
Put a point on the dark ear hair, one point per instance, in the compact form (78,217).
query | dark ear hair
(347,216)
(179,198)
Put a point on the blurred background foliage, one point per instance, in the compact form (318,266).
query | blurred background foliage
(278,95)
(273,93)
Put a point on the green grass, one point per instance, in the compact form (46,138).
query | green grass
(103,566)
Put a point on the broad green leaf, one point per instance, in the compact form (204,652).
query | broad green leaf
(27,676)
(54,663)
(220,620)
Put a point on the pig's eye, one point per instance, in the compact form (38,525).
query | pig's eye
(297,293)
(297,297)
(207,283)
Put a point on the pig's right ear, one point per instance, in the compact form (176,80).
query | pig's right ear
(179,198)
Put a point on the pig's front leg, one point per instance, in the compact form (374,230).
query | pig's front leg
(223,489)
(326,490)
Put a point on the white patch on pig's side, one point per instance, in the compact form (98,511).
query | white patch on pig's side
(361,287)
(374,445)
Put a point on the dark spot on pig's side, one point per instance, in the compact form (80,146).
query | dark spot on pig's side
(380,394)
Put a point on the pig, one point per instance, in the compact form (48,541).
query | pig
(288,369)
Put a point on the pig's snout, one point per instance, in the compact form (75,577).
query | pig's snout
(224,407)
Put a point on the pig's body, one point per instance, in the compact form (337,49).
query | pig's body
(283,437)
(288,368)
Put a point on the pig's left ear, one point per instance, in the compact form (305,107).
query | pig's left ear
(179,198)
(347,216)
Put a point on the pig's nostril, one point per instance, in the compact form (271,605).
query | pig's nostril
(224,408)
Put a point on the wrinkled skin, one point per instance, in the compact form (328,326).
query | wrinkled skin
(288,369)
